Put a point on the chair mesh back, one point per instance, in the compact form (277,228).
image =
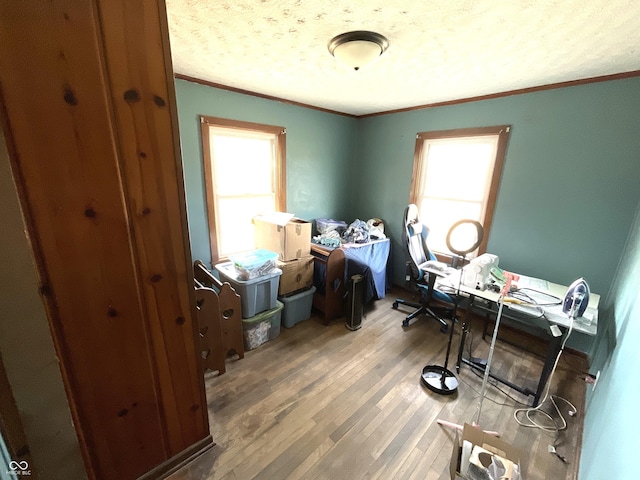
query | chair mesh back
(414,236)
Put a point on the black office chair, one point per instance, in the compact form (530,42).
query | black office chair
(418,256)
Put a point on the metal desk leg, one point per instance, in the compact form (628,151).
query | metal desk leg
(464,330)
(552,353)
(466,327)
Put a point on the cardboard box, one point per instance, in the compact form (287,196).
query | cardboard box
(296,275)
(488,442)
(291,240)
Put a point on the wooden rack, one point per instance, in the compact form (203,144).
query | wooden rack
(219,319)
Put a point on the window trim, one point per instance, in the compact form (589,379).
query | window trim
(280,160)
(503,137)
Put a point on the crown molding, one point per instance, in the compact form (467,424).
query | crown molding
(508,93)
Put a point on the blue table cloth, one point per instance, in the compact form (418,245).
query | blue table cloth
(369,259)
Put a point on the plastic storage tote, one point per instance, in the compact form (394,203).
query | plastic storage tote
(258,294)
(297,307)
(261,327)
(326,225)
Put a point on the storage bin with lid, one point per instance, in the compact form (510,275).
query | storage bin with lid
(261,327)
(258,294)
(254,264)
(297,307)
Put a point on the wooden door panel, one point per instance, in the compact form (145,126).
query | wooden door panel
(89,116)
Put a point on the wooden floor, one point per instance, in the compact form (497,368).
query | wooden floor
(323,402)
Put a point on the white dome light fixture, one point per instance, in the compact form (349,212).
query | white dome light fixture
(359,48)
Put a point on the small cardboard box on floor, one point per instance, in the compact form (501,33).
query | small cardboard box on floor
(460,457)
(290,237)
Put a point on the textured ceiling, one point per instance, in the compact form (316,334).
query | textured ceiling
(439,50)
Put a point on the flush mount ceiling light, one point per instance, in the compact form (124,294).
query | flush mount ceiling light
(358,49)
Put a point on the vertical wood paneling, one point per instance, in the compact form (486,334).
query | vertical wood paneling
(88,118)
(144,105)
(65,152)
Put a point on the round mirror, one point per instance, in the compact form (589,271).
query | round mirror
(464,237)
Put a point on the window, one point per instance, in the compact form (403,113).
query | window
(244,170)
(455,176)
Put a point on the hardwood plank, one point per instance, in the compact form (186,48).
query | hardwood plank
(321,402)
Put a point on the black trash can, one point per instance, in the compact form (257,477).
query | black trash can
(355,302)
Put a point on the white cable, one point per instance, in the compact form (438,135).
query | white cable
(537,409)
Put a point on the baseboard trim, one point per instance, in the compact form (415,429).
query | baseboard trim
(178,461)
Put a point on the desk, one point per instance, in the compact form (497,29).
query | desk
(487,301)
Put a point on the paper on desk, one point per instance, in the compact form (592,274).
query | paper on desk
(451,278)
(555,314)
(556,311)
(533,283)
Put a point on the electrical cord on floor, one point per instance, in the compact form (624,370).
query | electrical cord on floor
(494,383)
(528,412)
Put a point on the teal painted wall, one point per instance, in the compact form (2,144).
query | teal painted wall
(610,429)
(567,195)
(320,147)
(569,185)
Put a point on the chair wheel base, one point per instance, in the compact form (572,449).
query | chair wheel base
(439,379)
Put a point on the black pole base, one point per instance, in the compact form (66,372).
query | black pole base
(440,380)
(353,328)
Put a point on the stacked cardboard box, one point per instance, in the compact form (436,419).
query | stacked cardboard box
(297,275)
(290,237)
